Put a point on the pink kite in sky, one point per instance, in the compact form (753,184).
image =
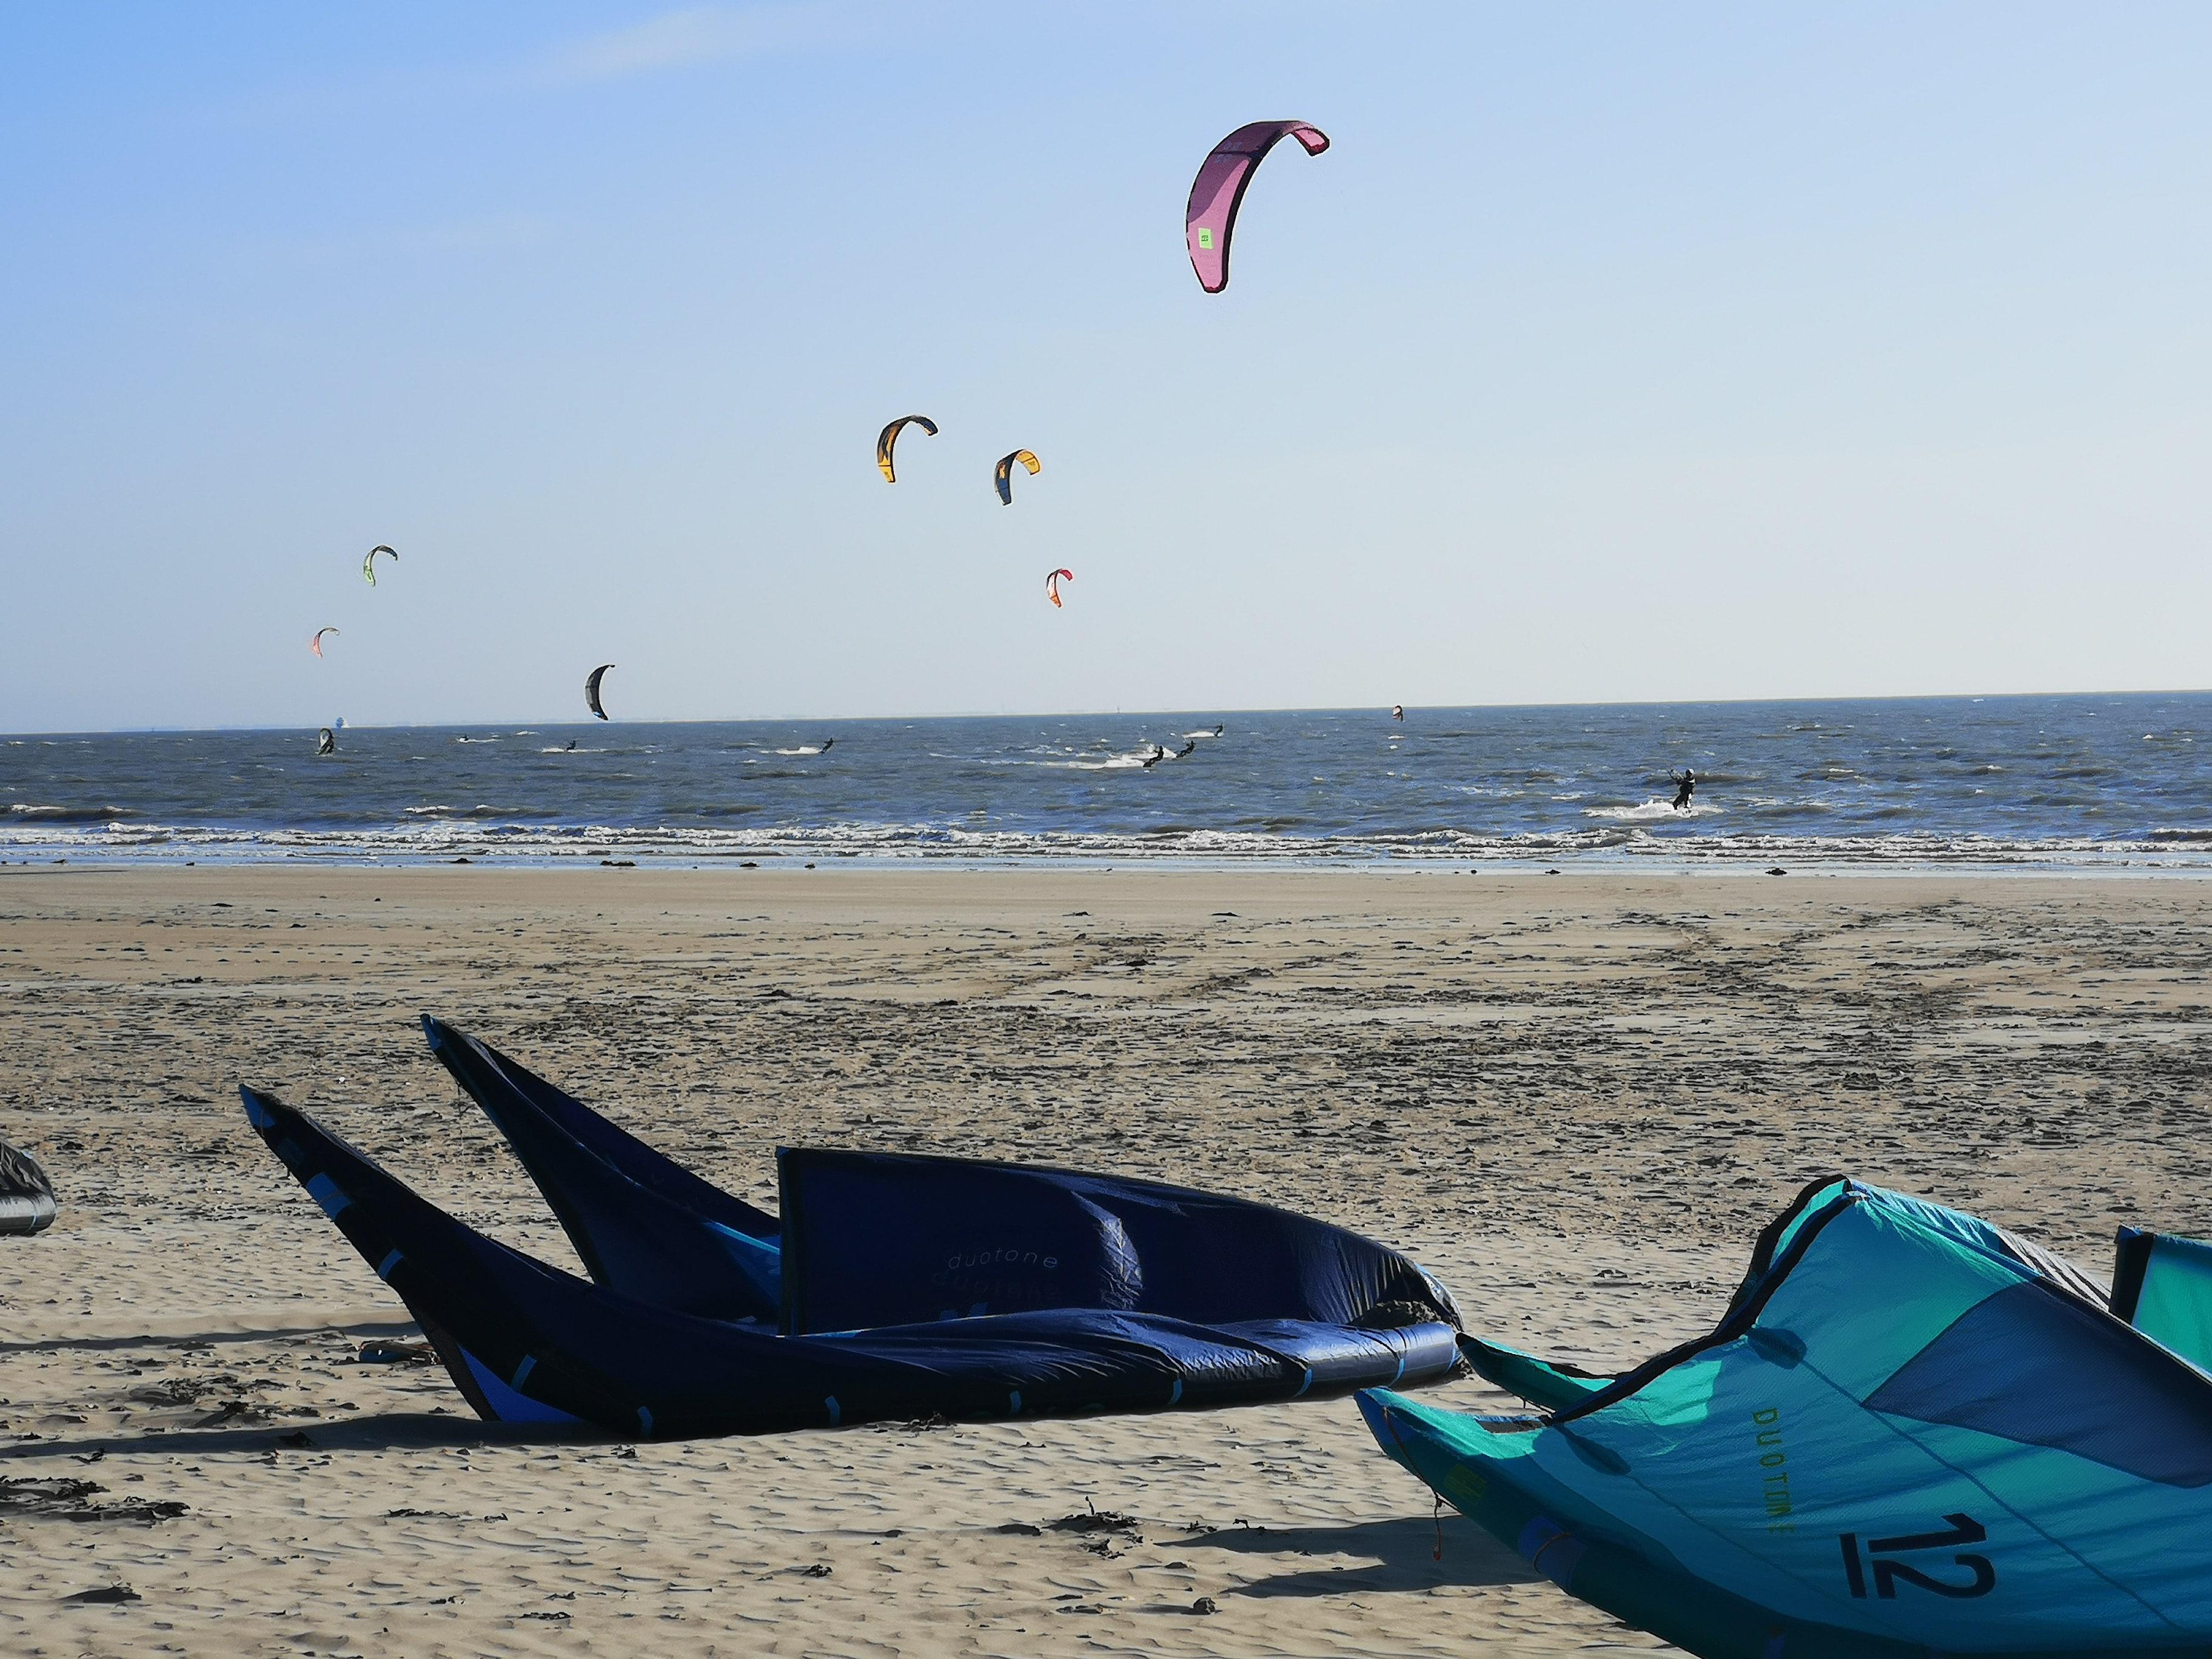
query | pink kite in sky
(1052,584)
(1218,191)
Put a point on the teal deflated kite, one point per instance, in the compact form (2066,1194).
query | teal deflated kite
(1912,1434)
(2162,1285)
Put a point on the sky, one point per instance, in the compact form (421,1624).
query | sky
(1613,352)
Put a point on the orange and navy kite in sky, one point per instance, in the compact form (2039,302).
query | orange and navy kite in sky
(888,438)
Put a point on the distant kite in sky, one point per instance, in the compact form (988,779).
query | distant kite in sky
(315,645)
(369,564)
(1218,191)
(1004,476)
(1052,584)
(592,689)
(888,438)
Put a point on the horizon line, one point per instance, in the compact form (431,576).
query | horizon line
(1096,714)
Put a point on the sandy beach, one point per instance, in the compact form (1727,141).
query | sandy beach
(1576,1099)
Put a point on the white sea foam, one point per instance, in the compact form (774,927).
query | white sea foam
(1651,811)
(1107,763)
(1615,843)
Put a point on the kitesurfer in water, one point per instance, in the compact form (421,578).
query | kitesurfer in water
(1686,785)
(572,744)
(824,748)
(1187,748)
(328,743)
(1154,759)
(1397,711)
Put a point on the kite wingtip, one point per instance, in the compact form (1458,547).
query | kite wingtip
(256,1106)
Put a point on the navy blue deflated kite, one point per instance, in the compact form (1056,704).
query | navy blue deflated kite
(892,1286)
(1912,1434)
(642,1224)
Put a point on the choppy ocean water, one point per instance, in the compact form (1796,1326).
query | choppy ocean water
(2035,782)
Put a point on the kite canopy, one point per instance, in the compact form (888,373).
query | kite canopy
(315,645)
(2162,1285)
(591,688)
(1003,474)
(1210,219)
(895,1286)
(1912,1433)
(1052,584)
(642,1224)
(26,1197)
(369,564)
(888,438)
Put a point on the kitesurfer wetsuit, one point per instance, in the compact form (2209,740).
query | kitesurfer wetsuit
(1187,748)
(1688,787)
(1157,755)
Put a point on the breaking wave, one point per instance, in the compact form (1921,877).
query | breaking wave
(23,813)
(1616,842)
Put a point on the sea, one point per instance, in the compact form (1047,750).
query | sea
(2040,783)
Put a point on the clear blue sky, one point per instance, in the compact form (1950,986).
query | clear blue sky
(1614,352)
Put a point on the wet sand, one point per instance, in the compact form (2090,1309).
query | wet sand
(1576,1099)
